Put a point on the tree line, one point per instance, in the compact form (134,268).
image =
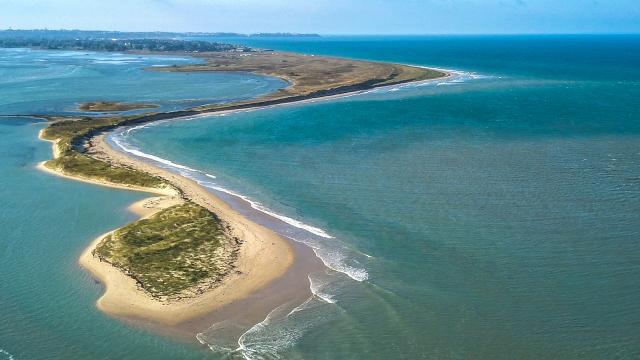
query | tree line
(154,45)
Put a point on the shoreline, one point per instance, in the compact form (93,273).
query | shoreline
(270,270)
(259,105)
(264,257)
(264,102)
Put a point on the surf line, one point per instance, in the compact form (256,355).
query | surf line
(5,352)
(254,204)
(332,255)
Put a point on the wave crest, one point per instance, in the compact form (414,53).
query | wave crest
(6,355)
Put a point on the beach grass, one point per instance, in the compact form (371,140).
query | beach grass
(108,106)
(72,162)
(84,166)
(67,130)
(309,77)
(178,251)
(184,250)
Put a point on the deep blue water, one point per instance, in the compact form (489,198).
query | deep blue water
(494,215)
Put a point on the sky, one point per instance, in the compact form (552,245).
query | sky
(328,16)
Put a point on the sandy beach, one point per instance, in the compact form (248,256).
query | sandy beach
(264,256)
(269,271)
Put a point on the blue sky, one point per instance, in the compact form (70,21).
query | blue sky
(329,16)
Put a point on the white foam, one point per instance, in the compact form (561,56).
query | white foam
(333,255)
(251,351)
(334,259)
(7,356)
(190,174)
(141,154)
(214,338)
(279,331)
(316,286)
(272,337)
(258,206)
(300,307)
(456,77)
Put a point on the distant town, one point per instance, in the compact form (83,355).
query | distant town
(83,34)
(152,45)
(127,41)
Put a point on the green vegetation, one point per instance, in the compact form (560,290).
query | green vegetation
(177,252)
(180,252)
(88,167)
(185,249)
(310,76)
(72,162)
(154,45)
(109,106)
(66,130)
(97,34)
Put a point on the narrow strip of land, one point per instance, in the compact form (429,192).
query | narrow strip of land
(133,262)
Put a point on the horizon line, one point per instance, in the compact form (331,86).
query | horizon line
(334,34)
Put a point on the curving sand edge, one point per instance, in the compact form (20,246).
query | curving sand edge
(264,256)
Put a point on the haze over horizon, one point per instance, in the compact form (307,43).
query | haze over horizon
(329,17)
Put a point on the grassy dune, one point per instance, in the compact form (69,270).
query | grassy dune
(310,74)
(182,248)
(111,106)
(70,161)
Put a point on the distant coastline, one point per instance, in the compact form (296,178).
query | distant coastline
(80,152)
(101,34)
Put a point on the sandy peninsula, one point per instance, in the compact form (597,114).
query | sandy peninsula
(269,270)
(264,256)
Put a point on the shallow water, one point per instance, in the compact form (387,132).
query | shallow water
(494,215)
(56,82)
(47,302)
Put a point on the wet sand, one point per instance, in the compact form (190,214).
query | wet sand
(270,270)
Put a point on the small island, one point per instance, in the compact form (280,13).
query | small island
(179,252)
(113,106)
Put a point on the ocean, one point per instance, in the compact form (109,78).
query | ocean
(493,215)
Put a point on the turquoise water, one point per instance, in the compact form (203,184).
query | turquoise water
(493,215)
(56,82)
(47,302)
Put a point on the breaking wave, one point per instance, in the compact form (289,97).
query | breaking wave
(333,254)
(275,336)
(284,326)
(5,355)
